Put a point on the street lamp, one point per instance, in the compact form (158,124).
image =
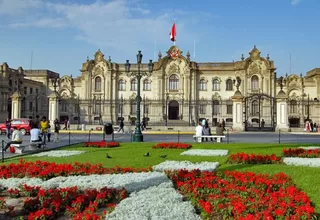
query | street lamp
(137,136)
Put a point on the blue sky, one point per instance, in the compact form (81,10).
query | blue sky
(62,34)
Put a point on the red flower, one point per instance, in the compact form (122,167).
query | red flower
(102,144)
(12,149)
(172,145)
(253,158)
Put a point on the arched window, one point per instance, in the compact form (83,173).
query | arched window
(203,85)
(215,107)
(133,85)
(146,85)
(254,107)
(293,106)
(121,85)
(215,85)
(254,83)
(97,84)
(229,85)
(173,83)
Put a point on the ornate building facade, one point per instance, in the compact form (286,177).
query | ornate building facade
(178,92)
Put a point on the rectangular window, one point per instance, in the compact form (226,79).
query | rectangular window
(202,109)
(25,90)
(133,108)
(30,106)
(97,108)
(146,109)
(37,91)
(120,108)
(229,109)
(31,90)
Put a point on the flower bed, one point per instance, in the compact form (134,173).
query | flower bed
(102,144)
(58,153)
(298,161)
(47,170)
(243,195)
(244,158)
(52,203)
(300,152)
(172,145)
(205,152)
(310,147)
(187,165)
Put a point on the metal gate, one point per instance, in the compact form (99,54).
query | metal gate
(259,112)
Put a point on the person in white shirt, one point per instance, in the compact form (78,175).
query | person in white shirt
(16,138)
(35,135)
(199,131)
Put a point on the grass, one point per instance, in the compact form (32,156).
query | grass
(131,155)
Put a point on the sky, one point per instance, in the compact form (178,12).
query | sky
(59,34)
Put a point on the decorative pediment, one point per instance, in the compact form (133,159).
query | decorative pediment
(98,56)
(216,78)
(255,54)
(133,96)
(174,69)
(98,70)
(216,96)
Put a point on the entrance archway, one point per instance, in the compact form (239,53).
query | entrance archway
(173,110)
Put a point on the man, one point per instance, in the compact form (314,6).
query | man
(8,128)
(223,125)
(35,136)
(219,130)
(121,125)
(199,130)
(16,138)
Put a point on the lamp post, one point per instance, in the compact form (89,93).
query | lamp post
(308,107)
(137,136)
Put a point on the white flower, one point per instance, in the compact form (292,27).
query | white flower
(14,183)
(206,152)
(298,161)
(155,203)
(58,153)
(310,148)
(178,165)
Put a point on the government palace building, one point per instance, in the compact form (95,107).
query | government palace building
(178,92)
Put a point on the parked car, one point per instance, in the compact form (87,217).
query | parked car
(21,124)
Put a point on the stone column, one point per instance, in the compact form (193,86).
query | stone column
(16,105)
(53,107)
(237,117)
(282,114)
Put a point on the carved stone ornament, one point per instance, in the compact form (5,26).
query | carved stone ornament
(174,52)
(173,69)
(255,53)
(216,96)
(254,69)
(98,71)
(133,96)
(99,56)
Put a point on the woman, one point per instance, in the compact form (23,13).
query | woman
(44,125)
(207,132)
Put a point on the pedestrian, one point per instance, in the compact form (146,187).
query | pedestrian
(223,125)
(315,128)
(65,124)
(311,126)
(8,128)
(35,136)
(49,132)
(199,130)
(44,125)
(121,126)
(56,130)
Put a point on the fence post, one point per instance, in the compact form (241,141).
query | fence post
(104,134)
(2,146)
(69,138)
(89,135)
(227,136)
(178,136)
(131,135)
(279,137)
(112,135)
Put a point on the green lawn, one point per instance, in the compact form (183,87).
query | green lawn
(131,155)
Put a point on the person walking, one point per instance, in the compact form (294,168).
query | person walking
(223,125)
(44,125)
(56,130)
(121,126)
(8,128)
(49,132)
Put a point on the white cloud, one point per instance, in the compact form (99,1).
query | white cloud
(16,7)
(295,2)
(124,25)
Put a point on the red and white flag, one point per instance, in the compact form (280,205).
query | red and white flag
(173,33)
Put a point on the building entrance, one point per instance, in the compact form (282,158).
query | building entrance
(173,110)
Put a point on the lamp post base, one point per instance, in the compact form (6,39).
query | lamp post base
(137,137)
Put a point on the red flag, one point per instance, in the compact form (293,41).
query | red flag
(173,33)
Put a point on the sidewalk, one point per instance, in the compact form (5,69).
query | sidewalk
(127,132)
